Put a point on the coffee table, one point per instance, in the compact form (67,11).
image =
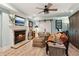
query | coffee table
(56,49)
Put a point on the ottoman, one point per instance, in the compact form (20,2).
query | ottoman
(39,42)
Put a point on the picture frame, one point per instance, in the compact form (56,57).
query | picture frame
(58,24)
(30,24)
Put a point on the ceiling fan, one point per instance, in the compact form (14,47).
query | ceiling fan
(46,8)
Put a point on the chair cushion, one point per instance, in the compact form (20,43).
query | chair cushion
(51,37)
(64,38)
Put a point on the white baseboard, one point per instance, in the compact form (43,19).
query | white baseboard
(5,48)
(14,46)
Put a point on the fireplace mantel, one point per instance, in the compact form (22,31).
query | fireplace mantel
(18,28)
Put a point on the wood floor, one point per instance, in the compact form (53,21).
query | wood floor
(28,50)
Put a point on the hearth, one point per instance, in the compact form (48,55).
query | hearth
(19,35)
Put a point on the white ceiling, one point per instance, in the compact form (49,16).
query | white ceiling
(64,9)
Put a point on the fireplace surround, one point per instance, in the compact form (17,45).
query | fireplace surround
(19,36)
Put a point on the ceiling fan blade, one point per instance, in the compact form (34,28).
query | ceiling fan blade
(40,12)
(39,8)
(52,9)
(49,5)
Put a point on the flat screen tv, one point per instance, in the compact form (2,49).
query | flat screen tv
(20,21)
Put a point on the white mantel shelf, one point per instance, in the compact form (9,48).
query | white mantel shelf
(18,27)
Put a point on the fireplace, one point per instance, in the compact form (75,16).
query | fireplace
(19,36)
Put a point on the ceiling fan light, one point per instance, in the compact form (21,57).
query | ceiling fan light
(46,12)
(36,26)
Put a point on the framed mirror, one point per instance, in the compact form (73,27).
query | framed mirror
(30,24)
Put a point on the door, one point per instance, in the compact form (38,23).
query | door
(77,30)
(70,28)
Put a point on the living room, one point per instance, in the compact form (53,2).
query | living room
(22,23)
